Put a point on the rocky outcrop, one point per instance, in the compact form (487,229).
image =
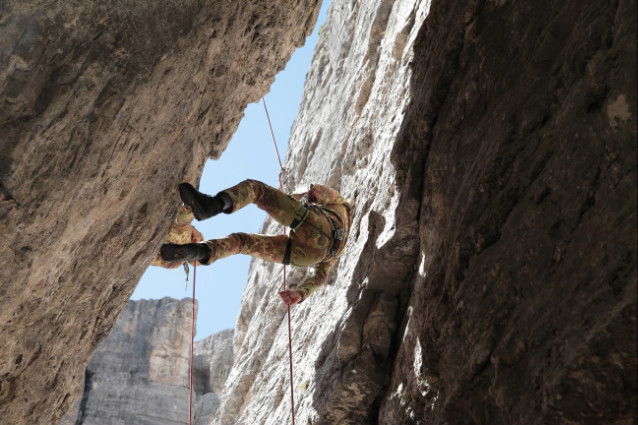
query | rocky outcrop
(213,360)
(523,119)
(343,336)
(489,149)
(140,373)
(105,108)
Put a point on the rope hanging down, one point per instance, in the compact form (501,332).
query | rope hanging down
(190,396)
(283,185)
(283,173)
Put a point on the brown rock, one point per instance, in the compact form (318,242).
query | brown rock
(105,108)
(523,121)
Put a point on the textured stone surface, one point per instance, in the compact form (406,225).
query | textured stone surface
(525,307)
(140,373)
(213,360)
(490,151)
(351,114)
(105,107)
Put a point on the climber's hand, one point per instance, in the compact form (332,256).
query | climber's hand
(290,297)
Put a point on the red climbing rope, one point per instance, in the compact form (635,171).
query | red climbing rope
(190,397)
(281,166)
(292,396)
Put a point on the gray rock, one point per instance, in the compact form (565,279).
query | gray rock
(213,360)
(140,372)
(489,149)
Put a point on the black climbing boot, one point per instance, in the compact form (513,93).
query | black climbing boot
(203,206)
(187,252)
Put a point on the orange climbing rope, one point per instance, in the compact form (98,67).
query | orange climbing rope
(281,187)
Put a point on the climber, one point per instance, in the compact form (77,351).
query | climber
(319,221)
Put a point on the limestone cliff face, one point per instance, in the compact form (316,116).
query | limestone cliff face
(489,150)
(214,359)
(355,98)
(104,108)
(140,373)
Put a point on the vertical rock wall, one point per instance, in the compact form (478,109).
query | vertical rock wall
(356,95)
(140,373)
(214,357)
(105,107)
(489,149)
(523,124)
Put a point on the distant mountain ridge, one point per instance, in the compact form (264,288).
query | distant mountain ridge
(140,373)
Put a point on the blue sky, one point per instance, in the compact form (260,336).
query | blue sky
(250,154)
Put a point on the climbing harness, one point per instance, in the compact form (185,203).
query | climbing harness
(300,217)
(284,185)
(287,253)
(338,232)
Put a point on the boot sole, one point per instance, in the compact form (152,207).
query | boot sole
(186,252)
(174,252)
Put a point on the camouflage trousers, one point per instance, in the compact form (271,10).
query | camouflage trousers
(309,246)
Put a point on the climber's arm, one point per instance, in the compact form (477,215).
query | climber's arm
(322,270)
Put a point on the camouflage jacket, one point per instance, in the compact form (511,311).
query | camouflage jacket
(313,235)
(328,198)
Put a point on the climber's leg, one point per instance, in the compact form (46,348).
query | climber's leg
(269,248)
(276,203)
(203,206)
